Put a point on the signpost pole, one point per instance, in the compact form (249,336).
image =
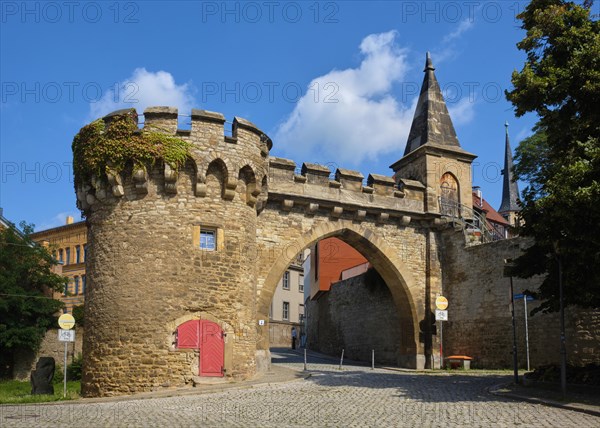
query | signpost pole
(65,372)
(66,322)
(441,315)
(526,331)
(441,345)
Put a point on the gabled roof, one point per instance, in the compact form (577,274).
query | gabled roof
(432,123)
(491,214)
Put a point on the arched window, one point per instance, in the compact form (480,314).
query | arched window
(76,285)
(449,199)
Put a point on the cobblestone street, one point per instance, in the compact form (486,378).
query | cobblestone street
(356,396)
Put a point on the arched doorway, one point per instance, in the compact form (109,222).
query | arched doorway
(449,191)
(383,258)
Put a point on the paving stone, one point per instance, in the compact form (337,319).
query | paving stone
(353,397)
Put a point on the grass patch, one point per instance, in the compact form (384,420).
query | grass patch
(16,392)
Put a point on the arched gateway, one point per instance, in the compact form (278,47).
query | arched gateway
(183,263)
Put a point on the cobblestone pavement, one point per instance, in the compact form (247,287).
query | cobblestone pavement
(354,397)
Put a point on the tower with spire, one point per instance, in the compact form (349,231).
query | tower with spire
(509,207)
(433,155)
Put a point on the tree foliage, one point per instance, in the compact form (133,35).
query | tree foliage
(27,309)
(560,82)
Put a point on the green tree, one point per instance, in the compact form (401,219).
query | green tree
(27,308)
(560,82)
(77,313)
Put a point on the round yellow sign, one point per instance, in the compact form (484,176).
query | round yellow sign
(441,303)
(66,321)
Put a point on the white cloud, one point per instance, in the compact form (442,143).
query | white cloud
(523,133)
(465,25)
(59,219)
(144,89)
(352,116)
(448,49)
(462,112)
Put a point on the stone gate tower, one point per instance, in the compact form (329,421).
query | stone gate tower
(183,262)
(171,246)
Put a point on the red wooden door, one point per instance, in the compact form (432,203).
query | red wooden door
(188,335)
(211,349)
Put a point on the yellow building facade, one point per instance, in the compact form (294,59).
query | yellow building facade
(67,244)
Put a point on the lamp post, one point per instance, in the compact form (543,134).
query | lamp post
(563,347)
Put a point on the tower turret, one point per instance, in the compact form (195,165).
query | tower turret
(510,190)
(171,220)
(433,154)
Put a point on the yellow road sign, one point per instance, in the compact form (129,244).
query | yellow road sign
(441,303)
(66,321)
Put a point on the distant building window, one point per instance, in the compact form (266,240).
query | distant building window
(286,311)
(76,285)
(208,240)
(85,248)
(78,254)
(82,284)
(300,313)
(60,256)
(301,284)
(286,280)
(66,291)
(67,256)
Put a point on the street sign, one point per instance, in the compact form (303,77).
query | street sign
(520,296)
(66,321)
(66,335)
(441,315)
(441,303)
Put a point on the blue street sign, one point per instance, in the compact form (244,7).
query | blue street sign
(520,296)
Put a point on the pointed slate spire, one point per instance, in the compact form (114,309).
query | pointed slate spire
(510,190)
(432,123)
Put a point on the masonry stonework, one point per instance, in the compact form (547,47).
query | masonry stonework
(147,273)
(358,315)
(143,231)
(480,323)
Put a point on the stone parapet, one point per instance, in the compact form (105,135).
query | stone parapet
(313,190)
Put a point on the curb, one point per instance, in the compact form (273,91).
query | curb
(233,386)
(546,402)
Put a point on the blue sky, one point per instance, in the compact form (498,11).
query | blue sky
(331,82)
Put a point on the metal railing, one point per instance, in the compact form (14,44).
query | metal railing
(471,220)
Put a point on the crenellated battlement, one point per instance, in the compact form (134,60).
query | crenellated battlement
(239,154)
(314,190)
(202,222)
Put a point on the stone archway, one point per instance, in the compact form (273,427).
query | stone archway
(384,258)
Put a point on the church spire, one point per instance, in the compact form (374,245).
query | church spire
(510,190)
(432,123)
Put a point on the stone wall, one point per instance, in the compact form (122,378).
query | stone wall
(357,315)
(147,273)
(280,333)
(479,311)
(25,361)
